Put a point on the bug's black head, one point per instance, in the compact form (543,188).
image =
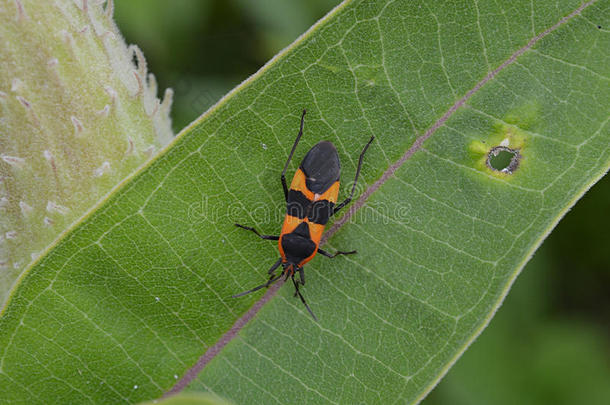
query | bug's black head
(289,269)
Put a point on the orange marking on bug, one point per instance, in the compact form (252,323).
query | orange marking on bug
(299,184)
(315,231)
(331,194)
(290,223)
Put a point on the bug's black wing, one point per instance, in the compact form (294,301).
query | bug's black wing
(321,167)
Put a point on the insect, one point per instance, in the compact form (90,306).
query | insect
(310,202)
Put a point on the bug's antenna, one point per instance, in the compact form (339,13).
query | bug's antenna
(349,199)
(296,286)
(294,146)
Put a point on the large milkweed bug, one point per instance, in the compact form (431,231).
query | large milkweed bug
(310,202)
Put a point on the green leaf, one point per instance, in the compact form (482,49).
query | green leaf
(129,300)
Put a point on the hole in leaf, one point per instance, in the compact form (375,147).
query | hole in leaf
(503,159)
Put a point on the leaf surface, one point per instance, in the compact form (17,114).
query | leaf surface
(129,300)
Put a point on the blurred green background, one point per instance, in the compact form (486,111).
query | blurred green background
(549,342)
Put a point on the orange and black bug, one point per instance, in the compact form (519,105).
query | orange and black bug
(310,202)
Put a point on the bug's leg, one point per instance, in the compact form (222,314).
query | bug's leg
(265,285)
(302,278)
(297,292)
(248,228)
(296,142)
(348,199)
(275,266)
(325,253)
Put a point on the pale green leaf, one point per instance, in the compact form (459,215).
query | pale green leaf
(76,116)
(128,301)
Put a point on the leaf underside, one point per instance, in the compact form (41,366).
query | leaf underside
(130,299)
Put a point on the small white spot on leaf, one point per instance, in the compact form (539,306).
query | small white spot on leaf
(66,37)
(112,93)
(130,147)
(104,111)
(102,169)
(25,208)
(13,160)
(78,126)
(54,207)
(21,14)
(23,102)
(108,34)
(150,150)
(16,85)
